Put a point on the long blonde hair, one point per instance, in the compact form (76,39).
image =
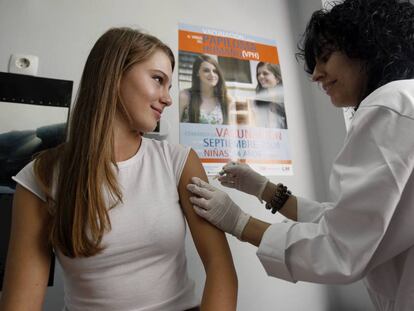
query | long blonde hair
(85,165)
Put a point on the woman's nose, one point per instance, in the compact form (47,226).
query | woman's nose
(317,73)
(166,98)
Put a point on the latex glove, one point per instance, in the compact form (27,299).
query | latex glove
(217,207)
(242,177)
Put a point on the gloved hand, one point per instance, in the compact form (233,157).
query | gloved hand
(216,206)
(244,178)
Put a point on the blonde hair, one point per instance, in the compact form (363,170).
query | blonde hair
(85,164)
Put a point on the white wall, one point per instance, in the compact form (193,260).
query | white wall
(61,33)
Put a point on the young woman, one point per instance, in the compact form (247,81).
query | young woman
(362,54)
(110,203)
(269,108)
(207,100)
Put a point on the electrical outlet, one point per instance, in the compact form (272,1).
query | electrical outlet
(24,64)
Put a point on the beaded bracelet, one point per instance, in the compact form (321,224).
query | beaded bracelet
(279,199)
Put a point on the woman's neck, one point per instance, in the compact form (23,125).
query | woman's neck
(126,142)
(207,92)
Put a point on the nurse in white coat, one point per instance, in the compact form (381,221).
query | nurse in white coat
(362,54)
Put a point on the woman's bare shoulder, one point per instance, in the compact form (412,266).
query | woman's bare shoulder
(184,96)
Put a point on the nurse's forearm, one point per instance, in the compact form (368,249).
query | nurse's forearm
(254,230)
(289,209)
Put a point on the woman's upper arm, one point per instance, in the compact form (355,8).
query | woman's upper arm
(220,288)
(29,254)
(231,104)
(184,102)
(208,239)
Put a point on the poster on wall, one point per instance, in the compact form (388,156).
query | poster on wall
(231,100)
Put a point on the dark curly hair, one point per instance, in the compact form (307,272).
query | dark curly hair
(378,32)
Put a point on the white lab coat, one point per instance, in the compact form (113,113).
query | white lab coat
(369,230)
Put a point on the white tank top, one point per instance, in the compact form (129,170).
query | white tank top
(143,265)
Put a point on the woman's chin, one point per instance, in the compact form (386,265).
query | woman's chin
(153,127)
(148,128)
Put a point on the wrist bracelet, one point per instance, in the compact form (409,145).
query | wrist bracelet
(279,199)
